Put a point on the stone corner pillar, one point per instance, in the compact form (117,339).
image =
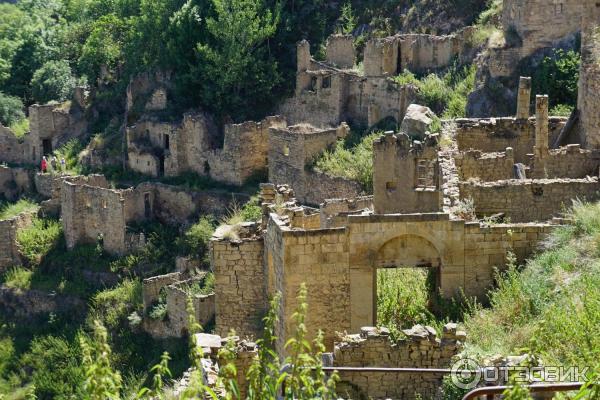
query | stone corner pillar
(524,98)
(541,126)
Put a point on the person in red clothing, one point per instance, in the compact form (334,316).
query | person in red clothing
(44,165)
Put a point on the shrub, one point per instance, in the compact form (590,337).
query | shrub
(113,306)
(20,127)
(9,210)
(195,240)
(561,110)
(53,81)
(557,76)
(36,240)
(11,110)
(55,369)
(354,163)
(18,278)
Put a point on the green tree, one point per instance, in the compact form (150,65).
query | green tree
(53,81)
(558,77)
(239,70)
(11,110)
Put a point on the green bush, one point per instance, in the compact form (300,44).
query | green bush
(38,239)
(9,210)
(561,110)
(11,110)
(446,95)
(353,163)
(113,306)
(557,76)
(403,296)
(55,367)
(53,81)
(195,240)
(18,278)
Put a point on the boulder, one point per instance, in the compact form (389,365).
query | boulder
(417,121)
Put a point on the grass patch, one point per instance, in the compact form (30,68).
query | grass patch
(204,286)
(113,306)
(20,127)
(18,278)
(9,210)
(551,306)
(37,240)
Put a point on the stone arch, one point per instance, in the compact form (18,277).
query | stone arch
(408,251)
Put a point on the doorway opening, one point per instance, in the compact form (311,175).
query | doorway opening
(46,147)
(147,206)
(161,166)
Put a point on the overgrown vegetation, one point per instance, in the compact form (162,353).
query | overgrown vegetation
(351,158)
(549,306)
(9,210)
(446,95)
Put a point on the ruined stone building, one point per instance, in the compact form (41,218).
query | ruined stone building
(293,149)
(333,91)
(589,76)
(96,213)
(159,148)
(51,126)
(503,169)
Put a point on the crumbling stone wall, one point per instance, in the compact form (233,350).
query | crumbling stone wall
(570,161)
(334,212)
(496,134)
(192,145)
(528,200)
(14,182)
(415,52)
(589,75)
(421,348)
(326,96)
(293,149)
(241,299)
(487,167)
(539,23)
(487,247)
(340,51)
(9,250)
(405,175)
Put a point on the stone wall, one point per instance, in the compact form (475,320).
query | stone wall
(528,200)
(340,51)
(539,23)
(334,212)
(177,298)
(151,287)
(159,148)
(421,348)
(589,75)
(487,167)
(14,182)
(566,162)
(405,175)
(487,246)
(241,299)
(318,258)
(292,150)
(496,134)
(326,96)
(9,250)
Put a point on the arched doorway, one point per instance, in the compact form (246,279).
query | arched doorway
(409,260)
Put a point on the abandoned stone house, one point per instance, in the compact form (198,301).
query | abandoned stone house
(159,148)
(51,125)
(333,91)
(100,214)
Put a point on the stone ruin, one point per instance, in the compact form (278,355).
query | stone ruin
(51,125)
(175,289)
(531,25)
(159,148)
